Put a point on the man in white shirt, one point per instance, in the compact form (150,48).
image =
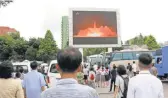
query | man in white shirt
(134,66)
(145,85)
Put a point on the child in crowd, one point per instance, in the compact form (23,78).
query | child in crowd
(91,79)
(102,77)
(98,74)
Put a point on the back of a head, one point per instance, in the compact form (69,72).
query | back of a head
(121,70)
(114,67)
(107,68)
(21,70)
(6,69)
(91,69)
(69,59)
(34,65)
(18,75)
(133,62)
(145,60)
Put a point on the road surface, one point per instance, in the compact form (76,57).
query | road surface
(103,92)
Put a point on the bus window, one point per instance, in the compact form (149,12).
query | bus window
(127,56)
(159,60)
(136,55)
(117,56)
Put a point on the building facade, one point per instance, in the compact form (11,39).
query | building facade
(6,30)
(65,32)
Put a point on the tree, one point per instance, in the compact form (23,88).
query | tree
(151,42)
(141,40)
(31,53)
(48,48)
(91,51)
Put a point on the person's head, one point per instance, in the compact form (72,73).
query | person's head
(145,61)
(69,60)
(21,70)
(121,70)
(18,75)
(129,64)
(133,62)
(6,70)
(91,69)
(34,65)
(85,66)
(114,67)
(98,67)
(102,68)
(107,68)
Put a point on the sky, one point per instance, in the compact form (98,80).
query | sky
(33,17)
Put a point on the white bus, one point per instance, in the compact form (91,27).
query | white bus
(95,59)
(127,56)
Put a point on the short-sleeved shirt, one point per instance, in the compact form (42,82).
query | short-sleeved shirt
(120,83)
(69,88)
(94,74)
(134,66)
(85,71)
(11,88)
(32,83)
(145,85)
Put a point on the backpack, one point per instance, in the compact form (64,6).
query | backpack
(126,81)
(92,77)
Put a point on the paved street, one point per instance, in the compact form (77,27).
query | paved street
(103,92)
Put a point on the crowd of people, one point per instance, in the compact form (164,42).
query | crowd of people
(78,82)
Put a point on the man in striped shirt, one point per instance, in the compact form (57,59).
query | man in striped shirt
(69,64)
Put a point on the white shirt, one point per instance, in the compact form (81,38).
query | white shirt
(145,85)
(103,72)
(134,66)
(45,69)
(92,72)
(120,83)
(85,71)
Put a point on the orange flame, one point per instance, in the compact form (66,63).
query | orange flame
(102,31)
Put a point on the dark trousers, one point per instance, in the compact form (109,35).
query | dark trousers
(135,73)
(111,85)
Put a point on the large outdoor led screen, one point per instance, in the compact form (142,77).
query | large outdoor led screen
(95,28)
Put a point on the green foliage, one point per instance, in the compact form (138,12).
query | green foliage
(140,40)
(14,47)
(91,51)
(31,53)
(151,42)
(48,48)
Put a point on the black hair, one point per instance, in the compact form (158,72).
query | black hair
(69,59)
(107,68)
(121,70)
(21,70)
(145,59)
(129,64)
(6,69)
(34,65)
(91,69)
(114,67)
(133,62)
(18,75)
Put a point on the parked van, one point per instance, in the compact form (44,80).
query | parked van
(25,65)
(52,76)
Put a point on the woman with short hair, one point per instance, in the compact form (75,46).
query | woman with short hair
(9,87)
(121,81)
